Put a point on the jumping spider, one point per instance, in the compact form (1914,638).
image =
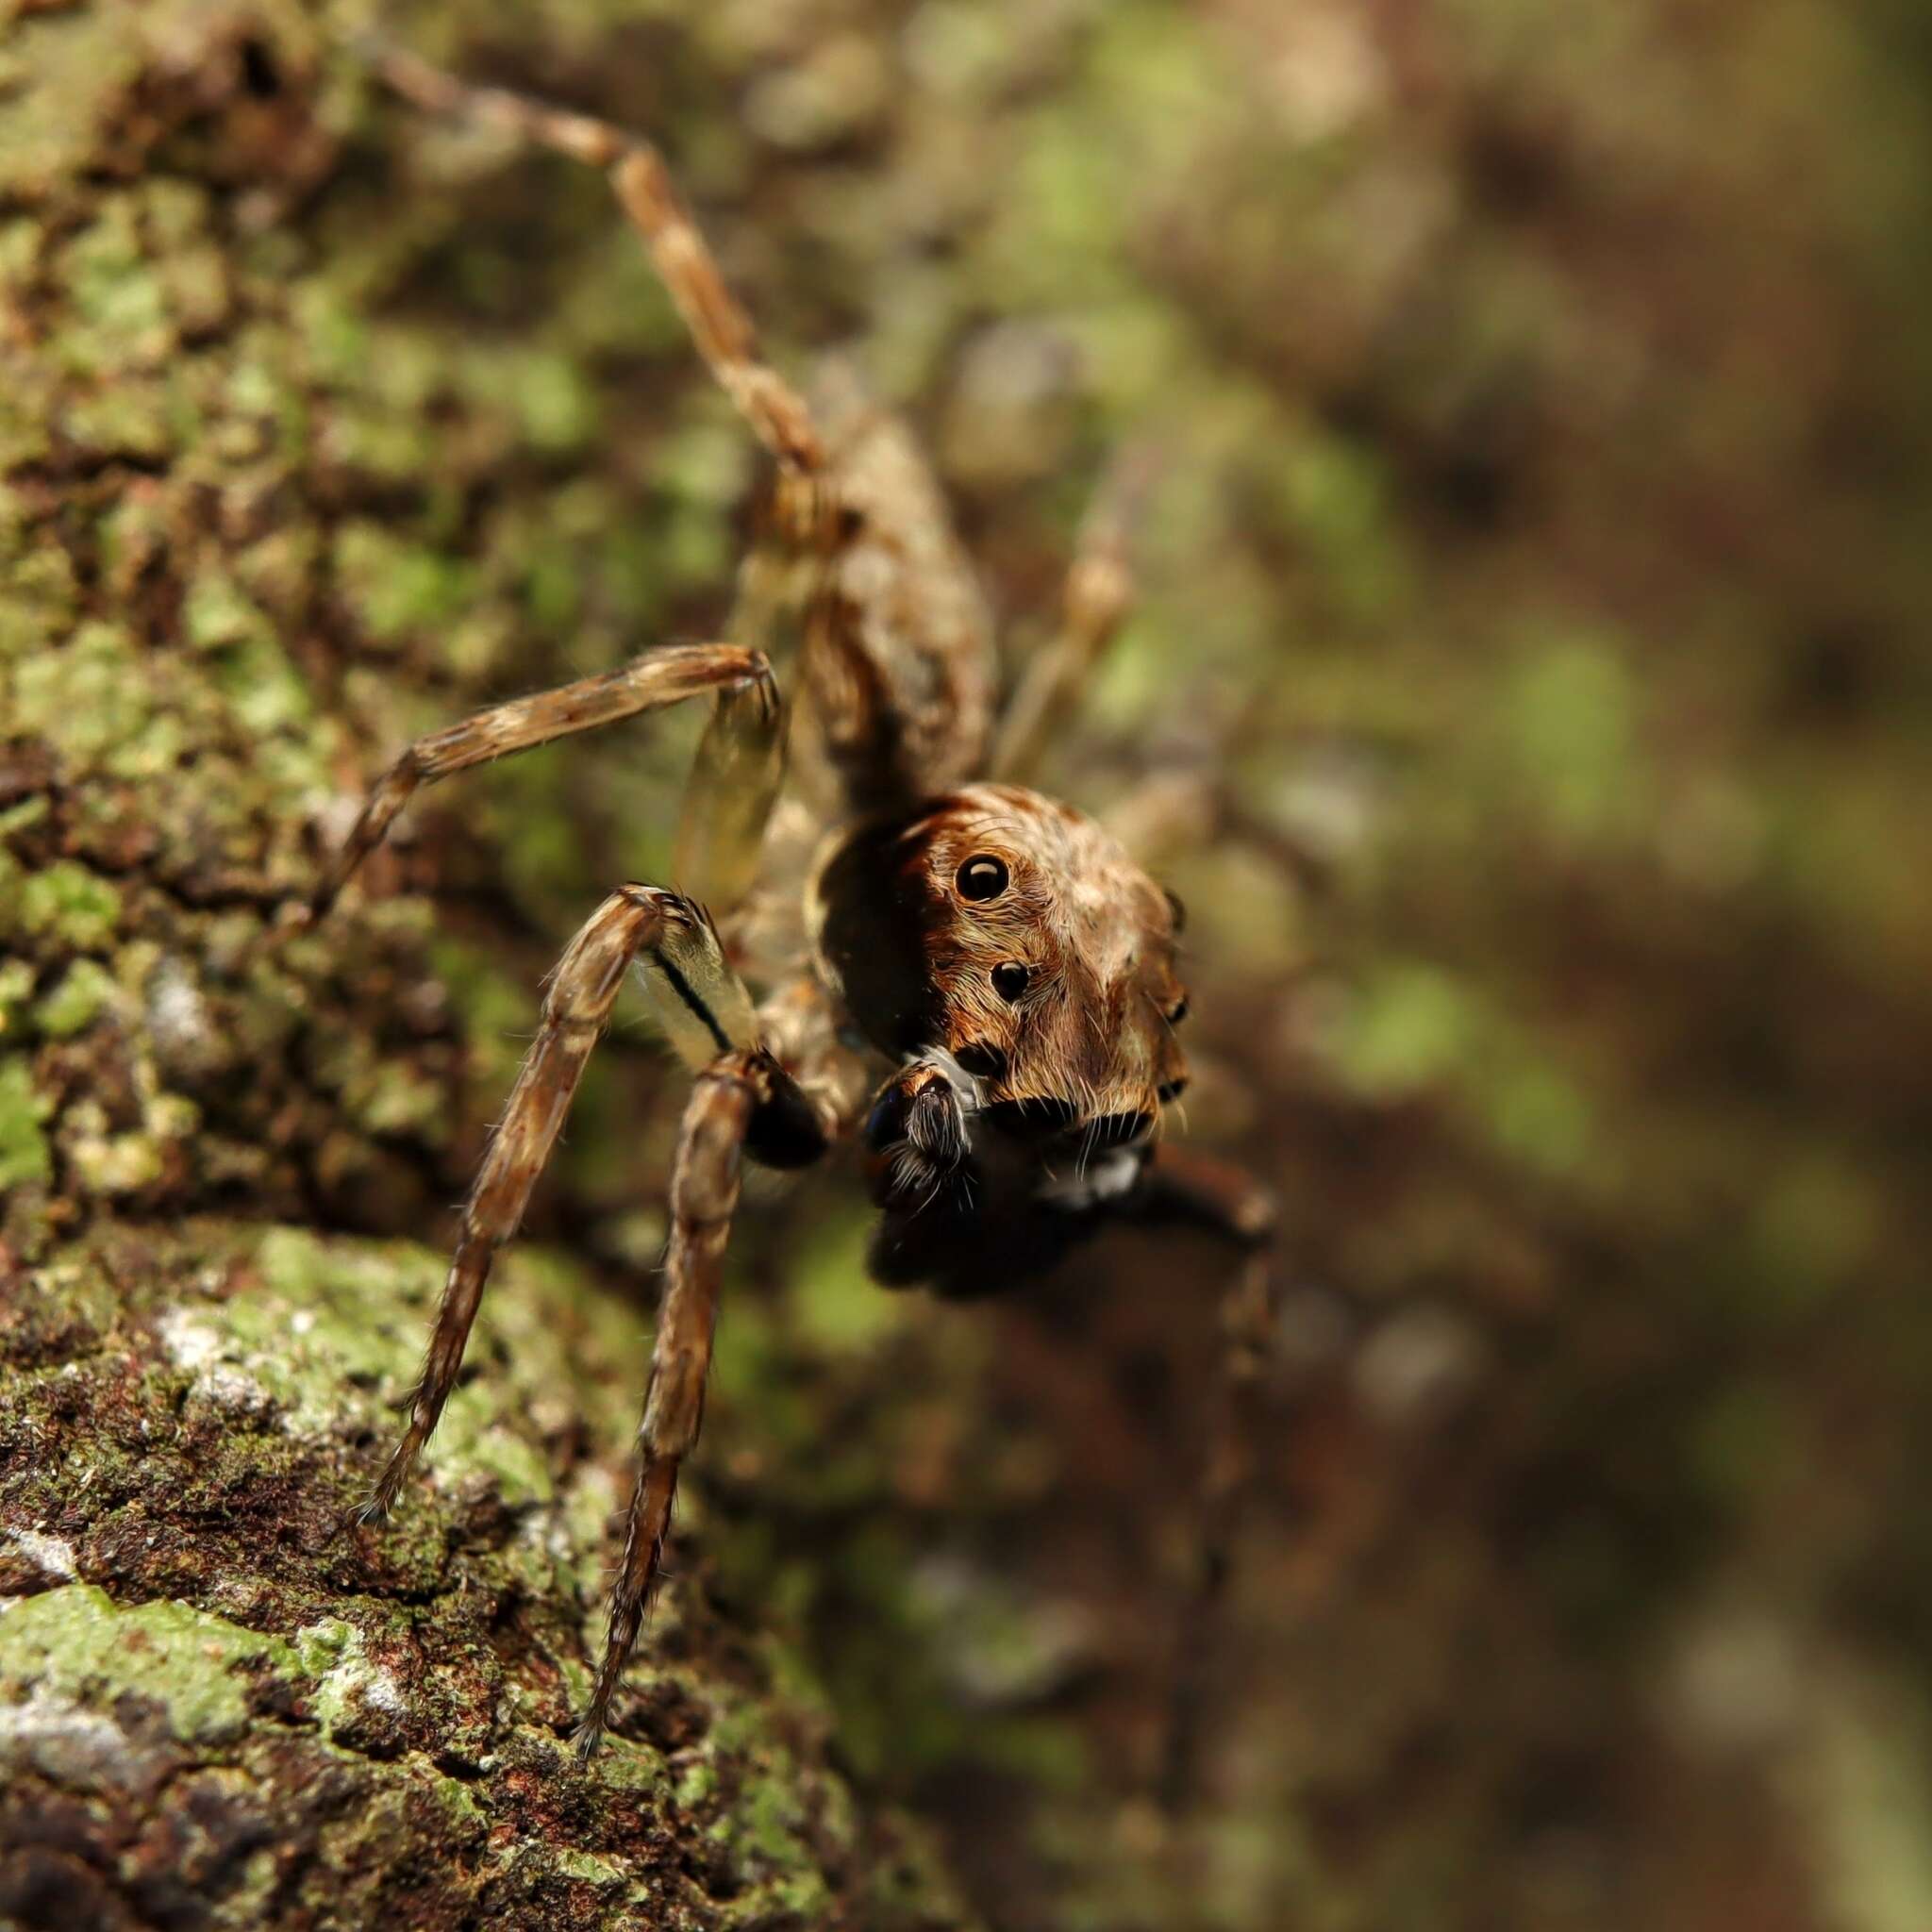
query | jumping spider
(869,856)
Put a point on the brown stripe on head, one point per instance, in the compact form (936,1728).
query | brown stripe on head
(1015,933)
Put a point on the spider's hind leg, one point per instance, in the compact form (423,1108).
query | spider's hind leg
(743,1102)
(1222,1201)
(643,184)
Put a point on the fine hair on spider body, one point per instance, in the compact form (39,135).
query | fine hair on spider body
(977,984)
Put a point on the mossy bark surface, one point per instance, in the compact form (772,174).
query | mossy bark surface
(252,1713)
(246,531)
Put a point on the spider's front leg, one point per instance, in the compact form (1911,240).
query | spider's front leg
(744,1101)
(676,937)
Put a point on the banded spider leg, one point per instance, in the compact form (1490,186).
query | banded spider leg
(736,777)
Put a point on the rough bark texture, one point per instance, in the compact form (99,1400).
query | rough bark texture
(243,527)
(252,1715)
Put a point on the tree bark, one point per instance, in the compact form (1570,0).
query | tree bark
(263,516)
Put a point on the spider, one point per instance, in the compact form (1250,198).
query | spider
(975,981)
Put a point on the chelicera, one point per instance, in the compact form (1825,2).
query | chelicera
(977,984)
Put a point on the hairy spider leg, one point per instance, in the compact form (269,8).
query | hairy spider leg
(641,182)
(1218,1199)
(676,945)
(725,1105)
(736,777)
(1094,603)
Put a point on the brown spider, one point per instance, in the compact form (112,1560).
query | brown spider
(912,909)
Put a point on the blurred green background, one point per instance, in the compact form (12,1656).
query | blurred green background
(1534,618)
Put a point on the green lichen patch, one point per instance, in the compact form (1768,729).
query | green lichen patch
(66,905)
(84,991)
(78,1643)
(16,994)
(347,1686)
(333,1330)
(24,1155)
(196,1443)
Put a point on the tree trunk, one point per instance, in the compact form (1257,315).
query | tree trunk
(263,517)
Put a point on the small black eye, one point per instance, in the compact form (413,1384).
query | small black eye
(982,877)
(1173,1089)
(988,1062)
(1178,1012)
(1010,980)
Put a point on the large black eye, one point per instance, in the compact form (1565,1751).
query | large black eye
(1010,980)
(982,877)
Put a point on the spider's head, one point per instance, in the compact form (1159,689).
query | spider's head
(1018,937)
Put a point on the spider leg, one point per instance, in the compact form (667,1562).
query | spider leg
(727,800)
(740,762)
(1099,594)
(733,1096)
(1190,1190)
(718,325)
(680,943)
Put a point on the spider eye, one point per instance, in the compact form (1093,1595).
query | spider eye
(1010,979)
(982,877)
(1171,1089)
(988,1062)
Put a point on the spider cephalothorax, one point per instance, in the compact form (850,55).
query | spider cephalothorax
(997,961)
(1009,953)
